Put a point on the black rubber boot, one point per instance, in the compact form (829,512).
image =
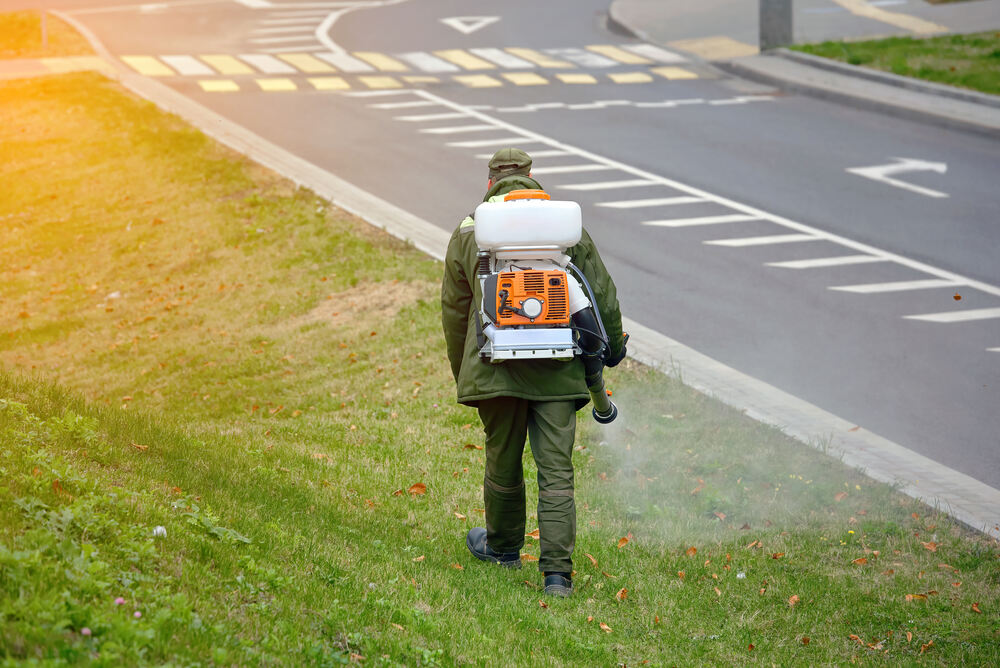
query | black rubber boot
(558,584)
(476,542)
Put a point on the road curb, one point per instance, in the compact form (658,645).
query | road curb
(969,501)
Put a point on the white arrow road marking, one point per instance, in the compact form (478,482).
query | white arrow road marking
(882,172)
(469,24)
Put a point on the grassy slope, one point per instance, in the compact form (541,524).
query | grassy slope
(21,37)
(970,61)
(243,362)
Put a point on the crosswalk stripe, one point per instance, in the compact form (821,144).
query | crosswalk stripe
(345,62)
(609,185)
(570,169)
(958,316)
(659,201)
(525,78)
(538,58)
(306,63)
(656,53)
(267,64)
(379,82)
(381,62)
(674,73)
(630,77)
(583,58)
(147,66)
(703,220)
(478,81)
(427,62)
(457,129)
(503,59)
(226,64)
(498,141)
(276,85)
(464,59)
(819,262)
(897,286)
(188,65)
(762,241)
(329,83)
(619,55)
(218,86)
(576,78)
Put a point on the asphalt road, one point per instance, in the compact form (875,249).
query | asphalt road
(725,161)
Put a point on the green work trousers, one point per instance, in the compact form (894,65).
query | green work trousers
(551,429)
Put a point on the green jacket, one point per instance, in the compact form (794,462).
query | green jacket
(461,296)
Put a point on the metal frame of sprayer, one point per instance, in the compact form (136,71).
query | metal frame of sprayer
(533,304)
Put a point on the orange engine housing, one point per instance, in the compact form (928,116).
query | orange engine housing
(549,287)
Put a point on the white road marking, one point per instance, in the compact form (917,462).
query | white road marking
(457,129)
(568,169)
(608,185)
(656,201)
(902,165)
(426,62)
(503,59)
(502,141)
(958,316)
(704,220)
(816,263)
(469,24)
(763,241)
(896,286)
(267,64)
(188,65)
(448,116)
(345,62)
(656,53)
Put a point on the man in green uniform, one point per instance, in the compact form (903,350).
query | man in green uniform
(537,399)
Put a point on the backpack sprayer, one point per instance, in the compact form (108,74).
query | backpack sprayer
(534,304)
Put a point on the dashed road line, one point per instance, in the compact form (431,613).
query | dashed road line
(896,286)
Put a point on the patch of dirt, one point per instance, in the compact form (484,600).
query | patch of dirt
(367,303)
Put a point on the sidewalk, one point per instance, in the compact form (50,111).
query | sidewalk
(728,40)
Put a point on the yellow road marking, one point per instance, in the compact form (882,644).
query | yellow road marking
(674,73)
(147,66)
(478,81)
(306,63)
(380,82)
(577,78)
(227,64)
(537,58)
(421,80)
(525,79)
(904,21)
(380,61)
(630,77)
(329,83)
(621,55)
(464,59)
(715,48)
(275,85)
(218,86)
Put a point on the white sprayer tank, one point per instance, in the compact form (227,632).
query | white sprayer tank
(528,223)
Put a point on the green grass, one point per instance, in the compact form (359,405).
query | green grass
(188,341)
(969,61)
(21,37)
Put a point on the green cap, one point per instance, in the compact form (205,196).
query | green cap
(509,161)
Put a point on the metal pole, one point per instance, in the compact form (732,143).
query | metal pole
(775,24)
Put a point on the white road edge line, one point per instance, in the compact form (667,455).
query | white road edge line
(963,497)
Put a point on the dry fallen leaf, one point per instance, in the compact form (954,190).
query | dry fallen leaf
(605,628)
(622,542)
(691,551)
(417,488)
(622,594)
(591,557)
(793,600)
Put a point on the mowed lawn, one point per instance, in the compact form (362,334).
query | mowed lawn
(228,436)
